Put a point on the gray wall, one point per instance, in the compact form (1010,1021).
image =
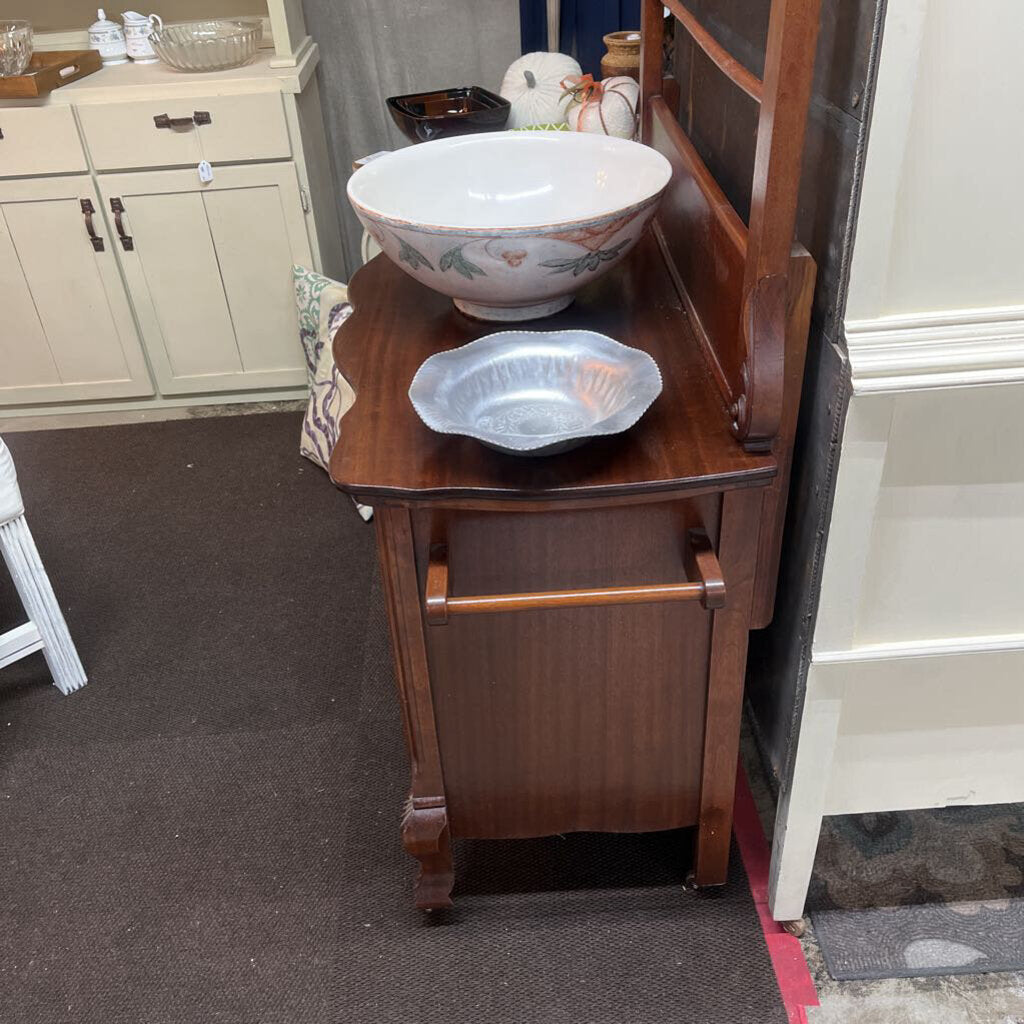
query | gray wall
(372,49)
(722,121)
(78,15)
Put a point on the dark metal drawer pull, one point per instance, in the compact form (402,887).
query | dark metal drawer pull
(198,117)
(88,210)
(705,584)
(117,208)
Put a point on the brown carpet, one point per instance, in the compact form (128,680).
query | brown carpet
(208,832)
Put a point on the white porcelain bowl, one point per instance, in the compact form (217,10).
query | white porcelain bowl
(510,224)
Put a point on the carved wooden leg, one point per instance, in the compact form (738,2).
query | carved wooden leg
(737,554)
(425,837)
(425,832)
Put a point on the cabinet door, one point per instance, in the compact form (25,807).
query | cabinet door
(209,268)
(66,328)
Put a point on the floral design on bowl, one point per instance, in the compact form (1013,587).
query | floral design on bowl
(510,224)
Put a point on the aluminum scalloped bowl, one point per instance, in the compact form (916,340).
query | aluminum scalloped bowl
(510,224)
(214,45)
(535,392)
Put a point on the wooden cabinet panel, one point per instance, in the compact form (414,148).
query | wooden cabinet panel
(123,136)
(39,140)
(561,712)
(210,274)
(68,331)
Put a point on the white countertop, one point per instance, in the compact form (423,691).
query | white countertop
(141,81)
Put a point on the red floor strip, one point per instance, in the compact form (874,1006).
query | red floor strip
(795,983)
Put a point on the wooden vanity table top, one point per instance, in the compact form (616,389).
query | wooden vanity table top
(386,452)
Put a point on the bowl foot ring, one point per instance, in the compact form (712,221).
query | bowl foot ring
(513,314)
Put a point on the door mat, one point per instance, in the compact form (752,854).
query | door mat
(916,893)
(933,938)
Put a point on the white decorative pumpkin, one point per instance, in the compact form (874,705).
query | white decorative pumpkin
(533,85)
(608,107)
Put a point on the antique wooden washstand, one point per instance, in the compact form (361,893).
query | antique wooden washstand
(570,632)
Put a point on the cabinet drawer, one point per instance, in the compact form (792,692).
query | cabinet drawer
(39,140)
(121,136)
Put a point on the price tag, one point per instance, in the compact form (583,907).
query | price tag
(205,171)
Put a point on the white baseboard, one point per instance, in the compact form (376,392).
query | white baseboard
(947,349)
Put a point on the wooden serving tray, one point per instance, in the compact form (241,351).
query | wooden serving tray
(48,70)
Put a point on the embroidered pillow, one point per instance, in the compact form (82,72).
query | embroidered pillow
(322,306)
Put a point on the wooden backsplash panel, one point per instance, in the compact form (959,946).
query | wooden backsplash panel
(722,121)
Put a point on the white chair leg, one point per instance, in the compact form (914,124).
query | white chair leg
(33,586)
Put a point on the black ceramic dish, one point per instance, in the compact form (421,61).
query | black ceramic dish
(433,115)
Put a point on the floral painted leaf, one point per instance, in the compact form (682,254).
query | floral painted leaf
(588,261)
(409,254)
(610,254)
(467,269)
(454,260)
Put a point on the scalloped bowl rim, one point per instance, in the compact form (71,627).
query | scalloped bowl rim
(243,27)
(614,423)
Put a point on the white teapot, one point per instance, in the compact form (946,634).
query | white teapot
(137,28)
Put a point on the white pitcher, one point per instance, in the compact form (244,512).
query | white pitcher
(137,28)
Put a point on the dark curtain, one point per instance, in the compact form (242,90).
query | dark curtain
(533,25)
(582,24)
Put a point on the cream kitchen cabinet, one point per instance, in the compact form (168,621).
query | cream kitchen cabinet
(66,327)
(190,298)
(208,269)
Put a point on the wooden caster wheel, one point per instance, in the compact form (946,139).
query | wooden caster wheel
(797,927)
(690,882)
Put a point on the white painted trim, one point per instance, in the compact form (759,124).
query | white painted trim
(18,643)
(801,805)
(946,349)
(858,486)
(302,51)
(923,648)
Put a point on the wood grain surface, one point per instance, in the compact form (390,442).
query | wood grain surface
(588,718)
(385,451)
